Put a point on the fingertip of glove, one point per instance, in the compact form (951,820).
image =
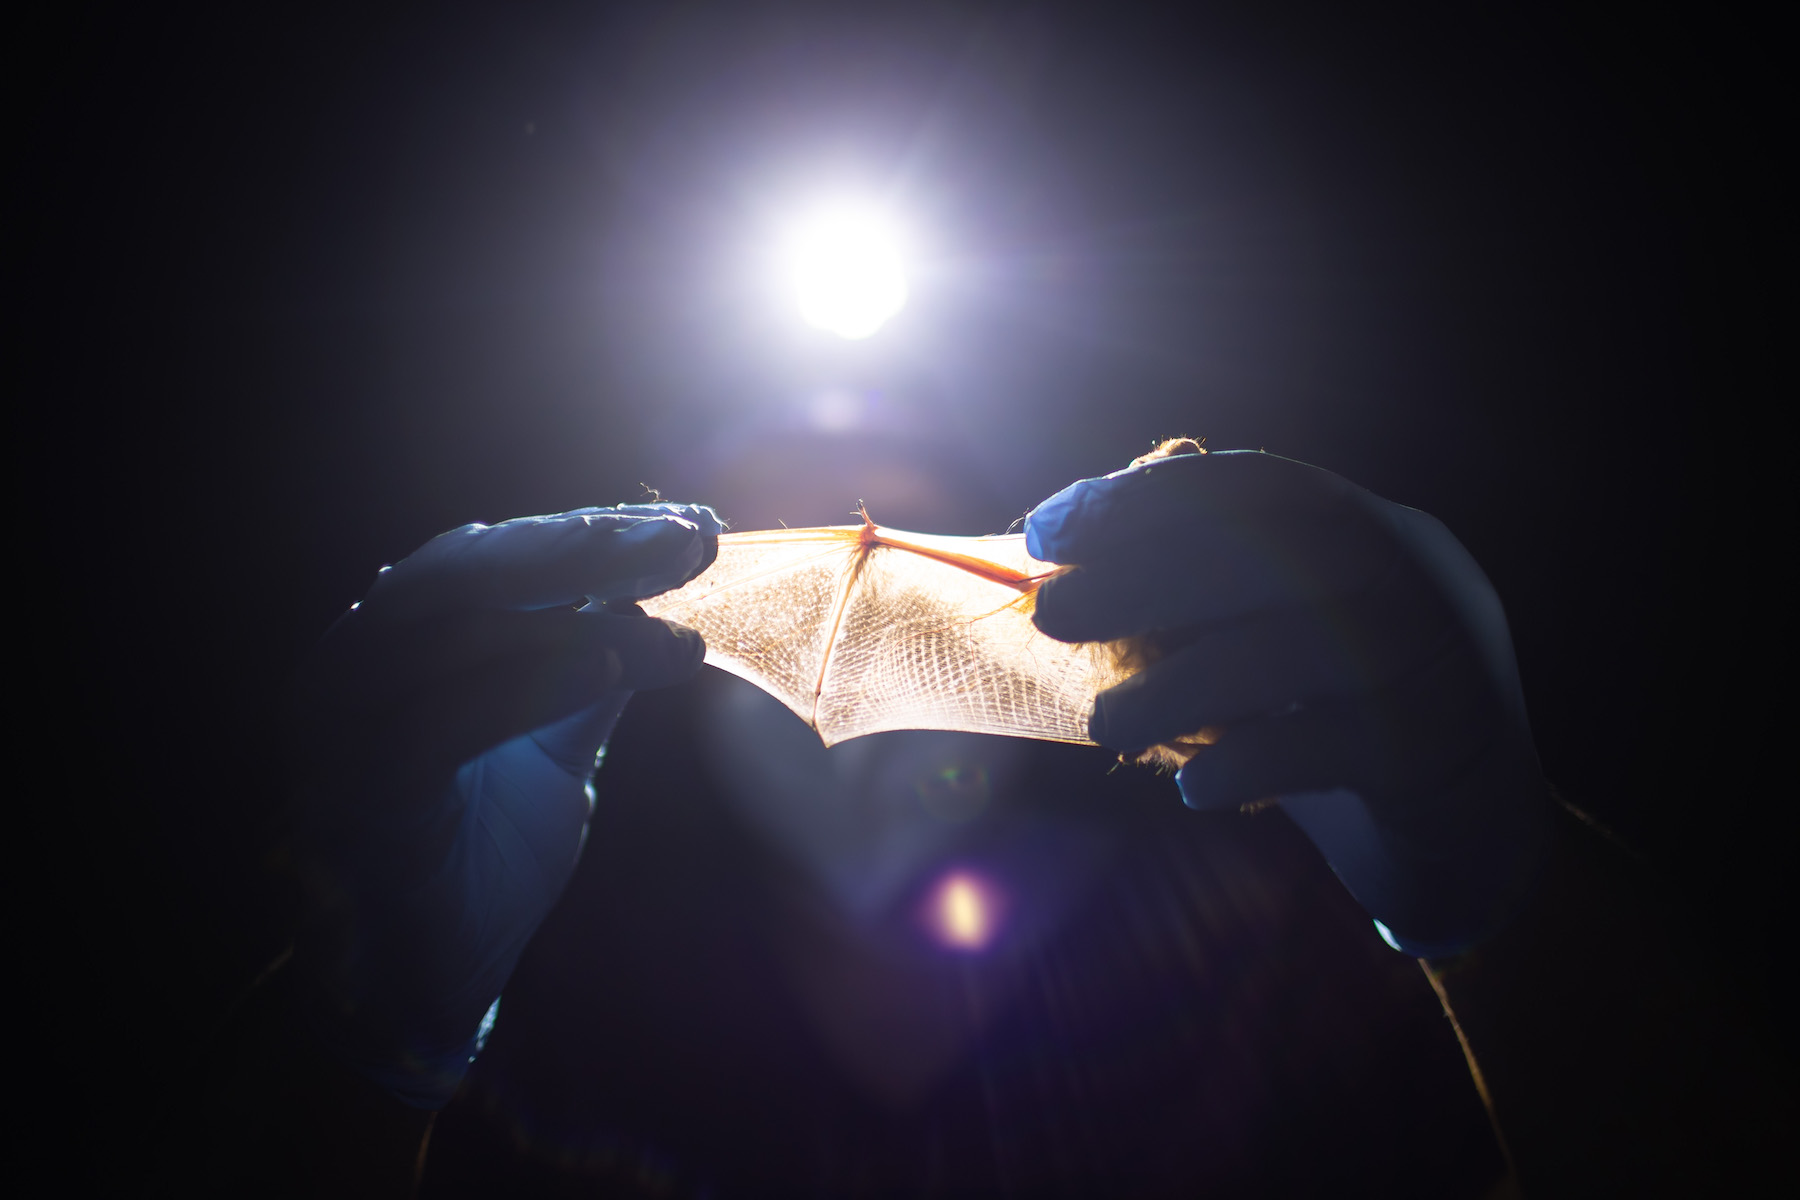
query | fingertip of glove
(692,645)
(1077,607)
(1060,529)
(659,553)
(692,653)
(1100,722)
(1045,524)
(1045,607)
(1061,608)
(707,520)
(1113,723)
(670,527)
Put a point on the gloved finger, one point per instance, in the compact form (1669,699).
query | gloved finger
(701,515)
(546,562)
(1172,501)
(1408,740)
(1311,750)
(456,719)
(498,673)
(368,665)
(1235,574)
(1269,661)
(710,524)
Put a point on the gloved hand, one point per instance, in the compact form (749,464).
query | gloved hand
(1354,657)
(442,741)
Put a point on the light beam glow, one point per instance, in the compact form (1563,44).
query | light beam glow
(846,271)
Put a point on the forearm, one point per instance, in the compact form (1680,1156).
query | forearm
(1613,1052)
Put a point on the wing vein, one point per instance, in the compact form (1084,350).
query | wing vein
(837,619)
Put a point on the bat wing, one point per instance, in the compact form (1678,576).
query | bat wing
(859,629)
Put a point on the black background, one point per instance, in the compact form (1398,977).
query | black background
(296,292)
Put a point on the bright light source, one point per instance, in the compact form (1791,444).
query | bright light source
(846,272)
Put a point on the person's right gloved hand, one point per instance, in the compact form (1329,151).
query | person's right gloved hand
(1353,656)
(442,739)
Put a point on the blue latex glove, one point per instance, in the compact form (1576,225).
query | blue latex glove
(1351,650)
(443,739)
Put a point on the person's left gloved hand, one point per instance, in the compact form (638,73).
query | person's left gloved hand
(442,740)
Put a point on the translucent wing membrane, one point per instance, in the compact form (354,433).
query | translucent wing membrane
(861,629)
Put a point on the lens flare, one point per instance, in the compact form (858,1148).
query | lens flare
(847,273)
(964,911)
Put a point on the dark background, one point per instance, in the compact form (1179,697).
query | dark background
(296,292)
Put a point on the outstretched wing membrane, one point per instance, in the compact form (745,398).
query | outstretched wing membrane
(860,629)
